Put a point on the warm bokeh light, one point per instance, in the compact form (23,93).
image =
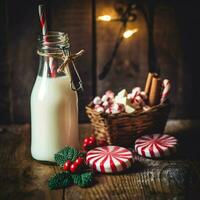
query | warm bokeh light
(128,33)
(106,18)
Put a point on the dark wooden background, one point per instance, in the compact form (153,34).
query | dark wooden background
(176,36)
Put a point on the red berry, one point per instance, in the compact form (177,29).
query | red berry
(79,161)
(85,146)
(91,143)
(67,165)
(86,140)
(102,143)
(93,140)
(73,168)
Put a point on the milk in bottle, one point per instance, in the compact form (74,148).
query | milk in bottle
(54,105)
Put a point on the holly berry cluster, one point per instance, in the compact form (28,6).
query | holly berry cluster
(72,162)
(88,144)
(75,166)
(91,142)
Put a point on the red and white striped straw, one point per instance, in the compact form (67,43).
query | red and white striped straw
(166,90)
(43,24)
(43,21)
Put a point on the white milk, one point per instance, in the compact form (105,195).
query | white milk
(54,117)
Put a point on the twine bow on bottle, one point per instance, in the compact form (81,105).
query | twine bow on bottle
(70,59)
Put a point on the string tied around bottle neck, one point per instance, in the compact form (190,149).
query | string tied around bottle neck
(66,60)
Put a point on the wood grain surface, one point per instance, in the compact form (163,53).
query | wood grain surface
(21,177)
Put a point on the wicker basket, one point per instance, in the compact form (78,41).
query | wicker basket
(122,129)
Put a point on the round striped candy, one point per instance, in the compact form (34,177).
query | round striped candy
(109,159)
(155,145)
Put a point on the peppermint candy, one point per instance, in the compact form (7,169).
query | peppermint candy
(105,98)
(109,159)
(117,108)
(108,111)
(105,104)
(97,100)
(99,108)
(111,104)
(110,94)
(137,97)
(156,145)
(138,100)
(136,91)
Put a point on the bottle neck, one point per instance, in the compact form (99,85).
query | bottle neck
(50,49)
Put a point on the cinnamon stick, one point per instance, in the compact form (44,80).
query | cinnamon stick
(155,91)
(148,83)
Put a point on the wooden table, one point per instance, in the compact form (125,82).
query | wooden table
(21,177)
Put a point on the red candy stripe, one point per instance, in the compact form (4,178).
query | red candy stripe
(109,159)
(155,145)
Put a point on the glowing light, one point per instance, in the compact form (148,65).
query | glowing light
(128,33)
(105,18)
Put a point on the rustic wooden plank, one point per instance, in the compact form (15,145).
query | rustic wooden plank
(24,178)
(21,176)
(149,180)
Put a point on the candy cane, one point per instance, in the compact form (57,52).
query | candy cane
(166,90)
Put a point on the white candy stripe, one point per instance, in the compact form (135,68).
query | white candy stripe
(162,147)
(147,151)
(141,146)
(98,162)
(92,160)
(93,156)
(140,149)
(118,164)
(107,166)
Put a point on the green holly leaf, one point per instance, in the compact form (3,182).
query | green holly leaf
(68,153)
(60,180)
(84,179)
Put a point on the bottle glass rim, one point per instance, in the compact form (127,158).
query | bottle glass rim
(53,41)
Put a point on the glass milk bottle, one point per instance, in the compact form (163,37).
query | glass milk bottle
(54,105)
